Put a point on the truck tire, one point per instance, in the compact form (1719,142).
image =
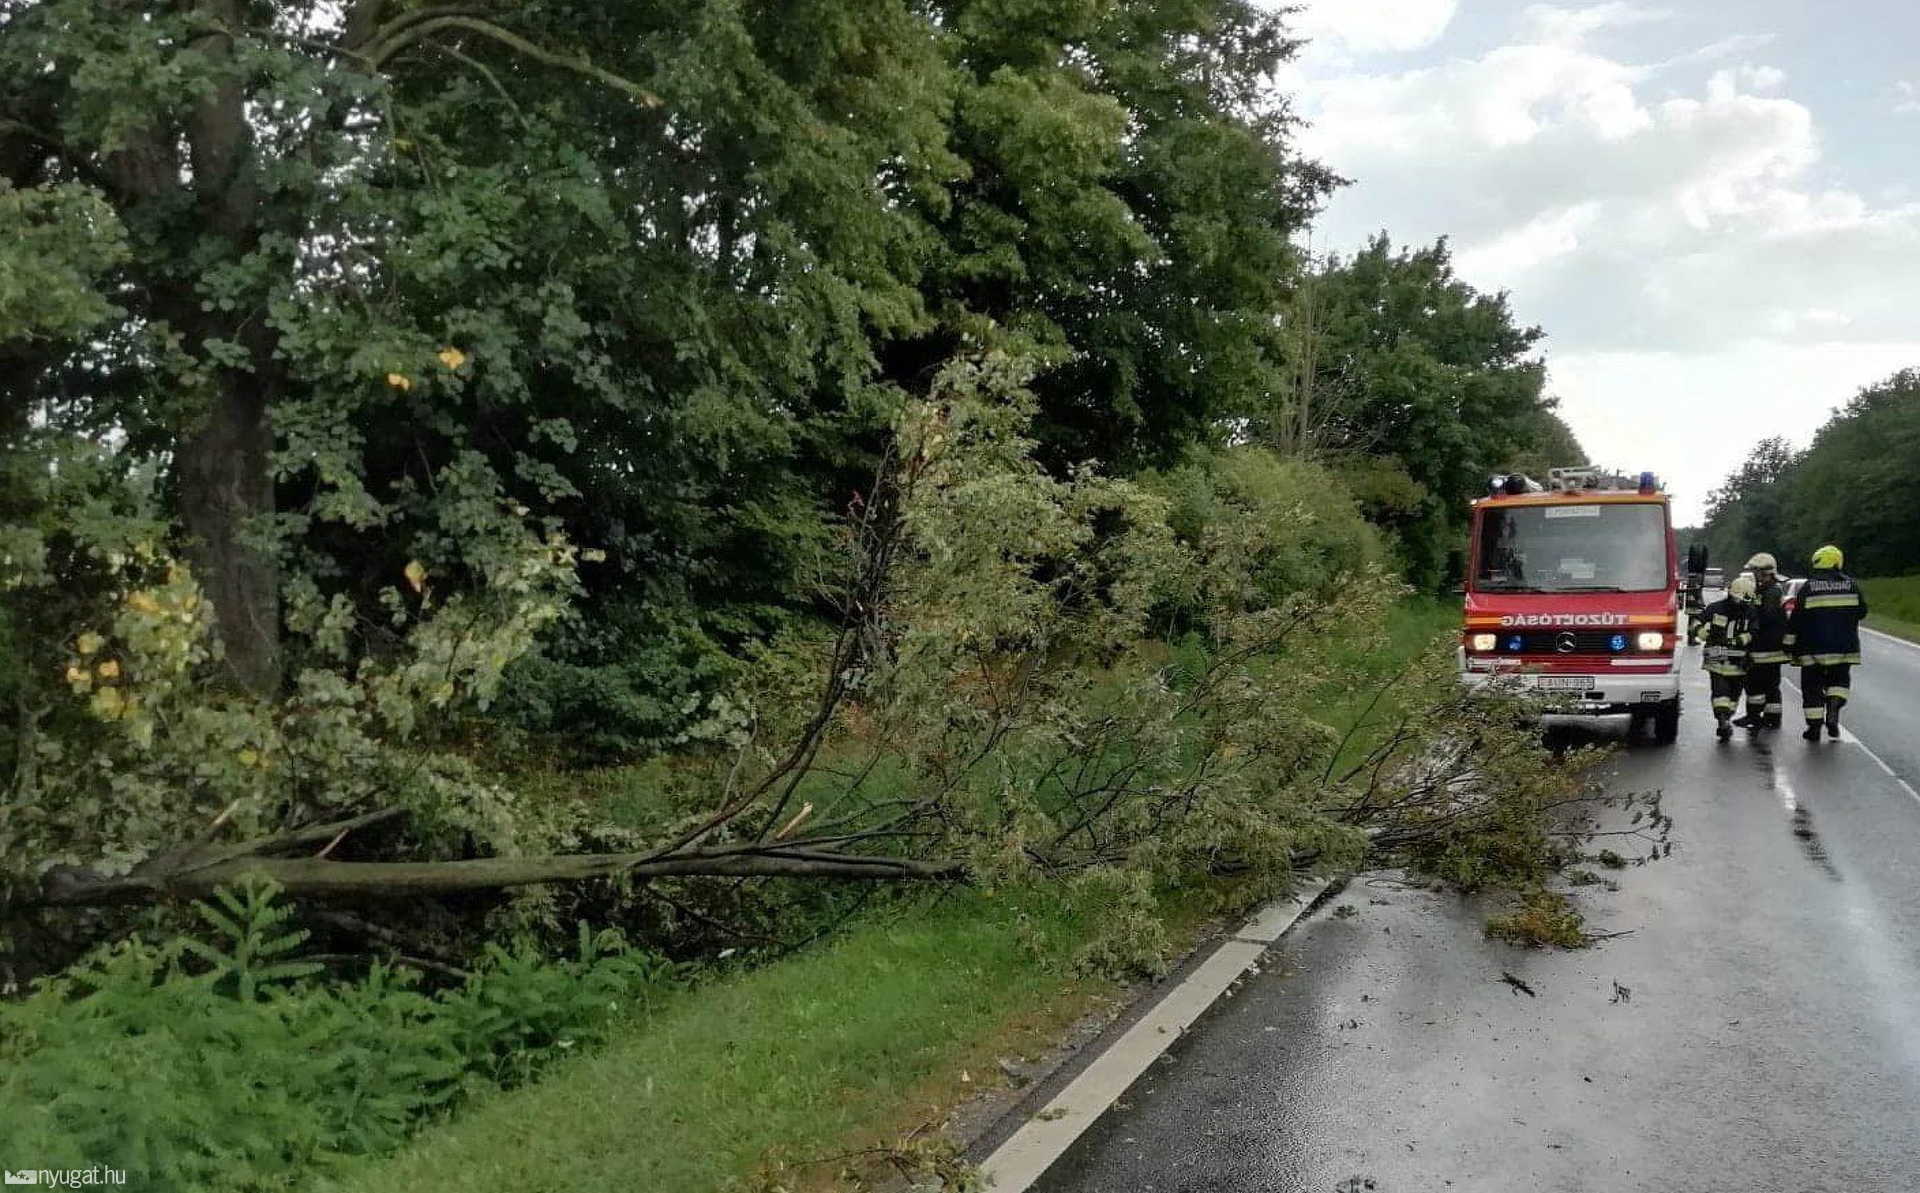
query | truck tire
(1666,722)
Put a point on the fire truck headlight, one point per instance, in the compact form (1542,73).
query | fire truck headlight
(1652,641)
(1482,642)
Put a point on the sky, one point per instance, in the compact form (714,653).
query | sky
(1712,207)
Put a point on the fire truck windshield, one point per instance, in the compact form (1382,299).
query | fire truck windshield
(1597,547)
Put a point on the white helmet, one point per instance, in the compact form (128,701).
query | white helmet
(1763,561)
(1742,589)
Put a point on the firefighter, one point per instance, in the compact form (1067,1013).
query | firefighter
(1767,651)
(1725,626)
(1824,637)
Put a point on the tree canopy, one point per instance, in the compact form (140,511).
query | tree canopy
(1851,486)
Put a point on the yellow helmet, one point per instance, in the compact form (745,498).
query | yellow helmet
(1763,561)
(1742,589)
(1828,557)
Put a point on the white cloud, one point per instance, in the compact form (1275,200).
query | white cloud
(1615,217)
(1373,26)
(1543,238)
(1702,282)
(1734,46)
(1552,25)
(1906,98)
(1692,416)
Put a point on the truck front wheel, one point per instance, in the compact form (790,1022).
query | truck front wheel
(1666,721)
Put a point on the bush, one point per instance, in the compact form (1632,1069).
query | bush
(645,683)
(223,1064)
(1265,529)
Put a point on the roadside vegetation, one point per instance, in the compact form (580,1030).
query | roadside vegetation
(1895,601)
(1851,486)
(844,523)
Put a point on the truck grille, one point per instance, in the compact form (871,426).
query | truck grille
(1548,641)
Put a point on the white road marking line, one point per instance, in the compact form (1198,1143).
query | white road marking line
(1886,637)
(1847,736)
(1030,1151)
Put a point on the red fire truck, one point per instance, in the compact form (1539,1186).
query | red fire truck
(1572,591)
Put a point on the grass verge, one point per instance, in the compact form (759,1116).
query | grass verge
(1363,699)
(1895,601)
(826,1053)
(782,1076)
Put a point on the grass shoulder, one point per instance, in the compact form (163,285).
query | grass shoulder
(800,1073)
(1895,602)
(788,1075)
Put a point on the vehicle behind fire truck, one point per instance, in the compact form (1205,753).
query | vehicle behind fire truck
(1573,591)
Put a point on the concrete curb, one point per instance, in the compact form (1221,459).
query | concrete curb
(1025,1141)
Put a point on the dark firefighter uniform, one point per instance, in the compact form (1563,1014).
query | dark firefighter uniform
(1766,654)
(1824,637)
(1724,628)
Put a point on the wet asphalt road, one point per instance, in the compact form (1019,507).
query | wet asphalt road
(1767,1039)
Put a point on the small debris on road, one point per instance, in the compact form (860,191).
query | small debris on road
(1621,993)
(1345,911)
(1519,987)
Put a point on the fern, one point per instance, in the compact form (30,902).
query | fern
(219,1063)
(251,919)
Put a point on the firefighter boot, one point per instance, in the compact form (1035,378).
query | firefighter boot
(1723,726)
(1833,716)
(1812,732)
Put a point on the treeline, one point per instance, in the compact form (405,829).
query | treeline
(412,283)
(1852,487)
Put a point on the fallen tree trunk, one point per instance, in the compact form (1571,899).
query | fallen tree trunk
(197,871)
(320,877)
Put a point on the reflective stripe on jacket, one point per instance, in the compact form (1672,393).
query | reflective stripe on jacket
(1825,628)
(1725,628)
(1769,626)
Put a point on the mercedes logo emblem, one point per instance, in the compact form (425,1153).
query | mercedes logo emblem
(1565,642)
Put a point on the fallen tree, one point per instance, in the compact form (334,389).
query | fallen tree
(993,705)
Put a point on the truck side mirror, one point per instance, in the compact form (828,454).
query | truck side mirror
(1697,557)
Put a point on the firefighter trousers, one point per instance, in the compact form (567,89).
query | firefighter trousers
(1821,683)
(1763,693)
(1727,687)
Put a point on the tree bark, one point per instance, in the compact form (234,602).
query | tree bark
(226,483)
(226,491)
(317,877)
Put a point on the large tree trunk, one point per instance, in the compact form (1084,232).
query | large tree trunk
(226,496)
(226,488)
(195,871)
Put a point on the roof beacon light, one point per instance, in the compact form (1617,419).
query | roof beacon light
(1646,482)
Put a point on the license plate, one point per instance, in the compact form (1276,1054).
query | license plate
(1564,683)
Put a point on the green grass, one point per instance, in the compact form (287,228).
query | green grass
(797,1058)
(838,1048)
(1895,602)
(1349,703)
